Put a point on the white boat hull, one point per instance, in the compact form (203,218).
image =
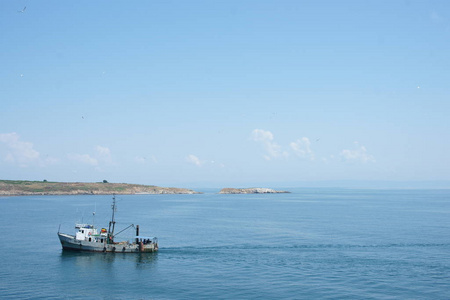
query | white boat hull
(69,242)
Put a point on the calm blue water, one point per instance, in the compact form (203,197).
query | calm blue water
(310,244)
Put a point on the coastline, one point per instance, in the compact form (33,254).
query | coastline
(29,188)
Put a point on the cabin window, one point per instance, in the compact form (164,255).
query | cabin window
(101,240)
(90,239)
(82,231)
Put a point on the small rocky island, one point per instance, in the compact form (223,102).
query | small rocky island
(250,191)
(21,187)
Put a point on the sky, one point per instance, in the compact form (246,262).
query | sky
(234,93)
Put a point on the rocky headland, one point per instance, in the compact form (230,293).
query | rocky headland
(19,188)
(250,191)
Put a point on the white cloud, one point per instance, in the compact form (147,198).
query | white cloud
(103,154)
(259,135)
(19,151)
(194,160)
(359,154)
(83,158)
(302,148)
(103,151)
(266,139)
(191,158)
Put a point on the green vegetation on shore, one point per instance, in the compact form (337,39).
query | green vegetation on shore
(22,187)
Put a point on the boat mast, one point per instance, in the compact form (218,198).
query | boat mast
(112,222)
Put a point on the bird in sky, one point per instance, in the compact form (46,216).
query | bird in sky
(23,10)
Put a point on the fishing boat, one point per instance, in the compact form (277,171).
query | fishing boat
(88,238)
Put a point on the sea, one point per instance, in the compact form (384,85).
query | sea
(313,243)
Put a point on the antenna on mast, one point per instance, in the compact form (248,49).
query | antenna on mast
(93,215)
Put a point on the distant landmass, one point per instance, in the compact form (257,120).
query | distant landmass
(250,191)
(19,187)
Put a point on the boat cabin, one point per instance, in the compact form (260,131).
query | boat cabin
(87,232)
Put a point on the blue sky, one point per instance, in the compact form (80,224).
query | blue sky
(220,93)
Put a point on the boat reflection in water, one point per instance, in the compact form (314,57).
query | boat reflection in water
(90,260)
